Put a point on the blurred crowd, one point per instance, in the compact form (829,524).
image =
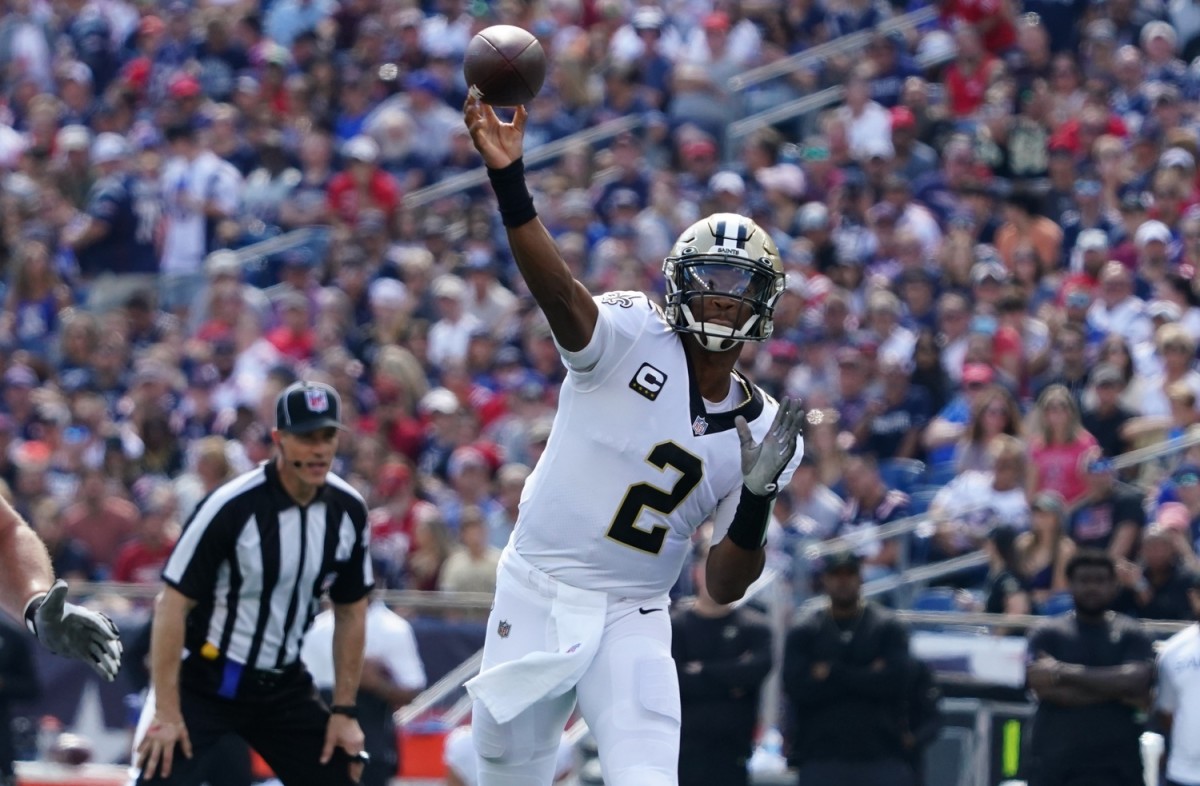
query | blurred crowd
(990,241)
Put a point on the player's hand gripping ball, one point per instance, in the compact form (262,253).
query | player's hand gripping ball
(505,65)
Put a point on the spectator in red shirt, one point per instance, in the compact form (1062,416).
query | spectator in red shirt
(991,20)
(141,560)
(294,337)
(363,185)
(968,77)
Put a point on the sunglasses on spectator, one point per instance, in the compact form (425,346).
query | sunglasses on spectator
(1187,479)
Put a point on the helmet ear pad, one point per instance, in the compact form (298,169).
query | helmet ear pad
(729,256)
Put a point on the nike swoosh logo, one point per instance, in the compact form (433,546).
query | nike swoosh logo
(647,611)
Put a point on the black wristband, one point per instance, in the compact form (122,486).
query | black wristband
(748,529)
(516,205)
(349,710)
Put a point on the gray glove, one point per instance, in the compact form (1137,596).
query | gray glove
(762,463)
(75,632)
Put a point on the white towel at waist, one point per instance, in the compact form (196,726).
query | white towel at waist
(508,689)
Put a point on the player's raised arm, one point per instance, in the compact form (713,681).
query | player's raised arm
(566,302)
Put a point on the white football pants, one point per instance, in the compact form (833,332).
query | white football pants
(629,696)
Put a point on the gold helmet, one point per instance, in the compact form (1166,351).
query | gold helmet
(730,256)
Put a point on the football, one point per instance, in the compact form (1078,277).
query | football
(505,64)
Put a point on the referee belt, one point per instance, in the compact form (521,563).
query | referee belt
(236,679)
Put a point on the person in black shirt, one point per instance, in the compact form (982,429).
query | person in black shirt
(1090,670)
(1105,418)
(18,682)
(1110,515)
(844,670)
(723,656)
(1157,588)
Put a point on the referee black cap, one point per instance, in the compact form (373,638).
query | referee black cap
(303,407)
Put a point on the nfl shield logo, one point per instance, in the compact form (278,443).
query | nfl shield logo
(699,426)
(503,629)
(316,399)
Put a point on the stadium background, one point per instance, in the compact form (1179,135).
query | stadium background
(901,155)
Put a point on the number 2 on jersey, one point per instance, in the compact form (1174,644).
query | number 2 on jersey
(624,527)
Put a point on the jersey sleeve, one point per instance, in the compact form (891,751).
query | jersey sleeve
(1167,696)
(207,541)
(355,577)
(621,319)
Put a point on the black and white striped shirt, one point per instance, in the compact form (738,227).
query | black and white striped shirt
(257,563)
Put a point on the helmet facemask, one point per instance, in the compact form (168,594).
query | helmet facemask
(720,294)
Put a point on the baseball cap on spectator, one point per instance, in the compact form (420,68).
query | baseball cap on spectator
(73,137)
(109,147)
(977,374)
(1092,240)
(222,263)
(507,355)
(1163,309)
(625,198)
(204,377)
(1173,516)
(988,271)
(717,20)
(647,18)
(1106,374)
(1050,502)
(449,286)
(1150,232)
(1186,475)
(788,179)
(75,71)
(464,458)
(439,401)
(20,377)
(387,292)
(184,86)
(1177,157)
(936,46)
(575,202)
(902,118)
(361,148)
(422,80)
(304,407)
(409,17)
(841,560)
(729,182)
(1132,201)
(698,148)
(814,215)
(1101,30)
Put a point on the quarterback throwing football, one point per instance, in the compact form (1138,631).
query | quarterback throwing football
(655,433)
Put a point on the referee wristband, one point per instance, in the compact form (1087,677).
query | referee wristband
(748,530)
(516,205)
(349,710)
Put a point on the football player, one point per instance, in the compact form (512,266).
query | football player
(655,432)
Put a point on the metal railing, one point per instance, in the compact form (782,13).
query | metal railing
(837,46)
(535,155)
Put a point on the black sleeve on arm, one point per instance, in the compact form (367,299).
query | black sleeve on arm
(748,530)
(357,577)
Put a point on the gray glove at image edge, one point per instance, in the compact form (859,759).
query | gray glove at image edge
(75,632)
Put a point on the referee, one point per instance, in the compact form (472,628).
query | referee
(243,585)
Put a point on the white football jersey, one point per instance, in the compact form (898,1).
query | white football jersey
(635,463)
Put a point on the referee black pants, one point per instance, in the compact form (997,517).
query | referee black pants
(284,724)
